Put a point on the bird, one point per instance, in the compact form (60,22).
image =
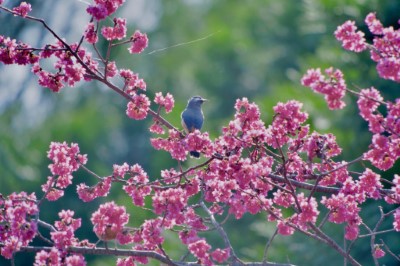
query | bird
(193,118)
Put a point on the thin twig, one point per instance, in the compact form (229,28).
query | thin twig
(269,244)
(334,245)
(220,231)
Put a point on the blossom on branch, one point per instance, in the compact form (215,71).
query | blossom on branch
(138,107)
(333,86)
(23,9)
(104,8)
(351,39)
(139,42)
(18,224)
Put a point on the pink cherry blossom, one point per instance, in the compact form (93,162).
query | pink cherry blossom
(18,225)
(43,257)
(378,252)
(139,42)
(91,33)
(220,255)
(333,86)
(117,32)
(396,223)
(23,9)
(351,39)
(200,250)
(167,102)
(64,237)
(374,25)
(109,220)
(104,8)
(138,107)
(132,81)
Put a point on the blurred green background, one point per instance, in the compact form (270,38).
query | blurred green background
(221,50)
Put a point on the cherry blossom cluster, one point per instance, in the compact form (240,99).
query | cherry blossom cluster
(333,86)
(73,62)
(166,101)
(102,9)
(63,237)
(23,9)
(179,146)
(137,184)
(89,193)
(66,160)
(18,224)
(109,221)
(54,257)
(385,49)
(13,52)
(384,150)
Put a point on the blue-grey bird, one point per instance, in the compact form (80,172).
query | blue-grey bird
(193,118)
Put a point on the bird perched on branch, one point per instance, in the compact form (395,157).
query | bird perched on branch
(193,118)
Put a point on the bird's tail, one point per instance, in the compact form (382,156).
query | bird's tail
(195,154)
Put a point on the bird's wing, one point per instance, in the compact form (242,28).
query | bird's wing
(192,120)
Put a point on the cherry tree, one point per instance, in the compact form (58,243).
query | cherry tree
(281,170)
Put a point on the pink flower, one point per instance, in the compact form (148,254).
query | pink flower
(396,223)
(52,194)
(75,260)
(368,103)
(333,87)
(378,252)
(11,244)
(117,32)
(200,250)
(287,122)
(351,231)
(351,39)
(23,9)
(167,102)
(111,69)
(309,209)
(157,128)
(374,25)
(370,183)
(152,233)
(171,203)
(343,208)
(139,42)
(284,229)
(138,107)
(393,119)
(188,236)
(220,255)
(197,141)
(321,146)
(380,154)
(18,225)
(132,81)
(66,160)
(129,261)
(136,186)
(64,237)
(386,49)
(101,189)
(43,257)
(120,170)
(174,144)
(109,220)
(91,33)
(101,9)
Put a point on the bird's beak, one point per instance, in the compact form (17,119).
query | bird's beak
(204,100)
